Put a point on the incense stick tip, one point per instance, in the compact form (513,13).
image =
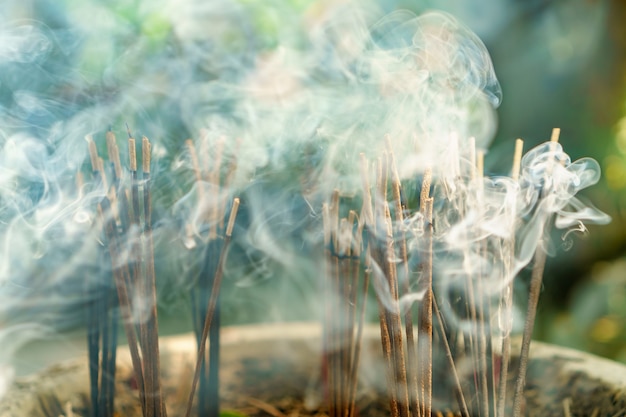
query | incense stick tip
(232,217)
(132,154)
(146,148)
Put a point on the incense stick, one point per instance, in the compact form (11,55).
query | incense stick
(508,297)
(425,338)
(373,257)
(487,383)
(412,369)
(457,382)
(150,283)
(533,300)
(101,316)
(358,254)
(212,303)
(121,278)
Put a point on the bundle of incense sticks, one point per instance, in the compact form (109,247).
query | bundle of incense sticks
(102,315)
(125,213)
(212,181)
(343,328)
(408,364)
(375,245)
(126,220)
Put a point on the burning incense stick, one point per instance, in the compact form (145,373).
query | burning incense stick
(357,343)
(102,323)
(412,369)
(212,214)
(425,338)
(507,297)
(341,346)
(121,275)
(134,279)
(457,383)
(374,258)
(152,347)
(533,300)
(484,310)
(212,303)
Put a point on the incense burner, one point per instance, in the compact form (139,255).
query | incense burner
(265,367)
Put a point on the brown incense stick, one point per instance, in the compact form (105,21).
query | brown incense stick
(361,319)
(484,313)
(425,338)
(335,357)
(93,152)
(381,258)
(114,154)
(373,258)
(346,290)
(212,302)
(457,382)
(121,277)
(412,370)
(327,323)
(150,282)
(395,320)
(533,299)
(137,283)
(367,217)
(508,296)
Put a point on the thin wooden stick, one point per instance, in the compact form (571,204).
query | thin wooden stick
(101,319)
(408,316)
(395,321)
(93,153)
(348,293)
(336,285)
(212,303)
(328,311)
(114,155)
(93,309)
(517,159)
(110,362)
(386,345)
(425,338)
(121,278)
(358,340)
(374,255)
(367,214)
(484,313)
(138,285)
(457,382)
(195,309)
(150,281)
(508,296)
(331,226)
(382,258)
(533,300)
